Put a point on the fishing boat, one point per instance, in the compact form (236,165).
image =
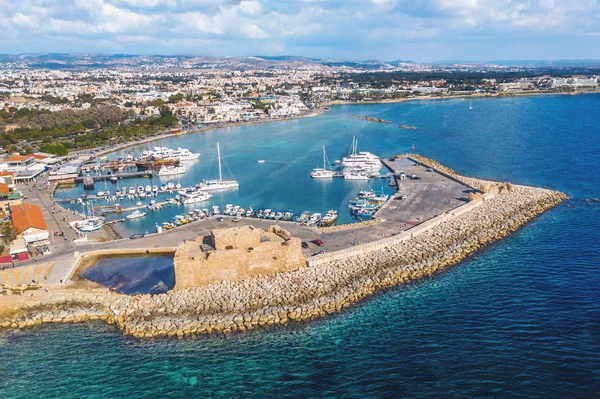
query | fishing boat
(92,223)
(304,216)
(136,215)
(171,170)
(330,218)
(156,164)
(220,184)
(288,215)
(113,179)
(325,172)
(88,183)
(314,219)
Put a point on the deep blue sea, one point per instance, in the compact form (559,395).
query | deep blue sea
(521,318)
(134,275)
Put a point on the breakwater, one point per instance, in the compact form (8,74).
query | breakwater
(330,284)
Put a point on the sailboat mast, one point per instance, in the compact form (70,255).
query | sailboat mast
(324,162)
(219,158)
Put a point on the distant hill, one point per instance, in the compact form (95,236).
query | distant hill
(287,58)
(398,62)
(529,63)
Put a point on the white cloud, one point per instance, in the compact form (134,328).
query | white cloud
(253,32)
(250,7)
(351,27)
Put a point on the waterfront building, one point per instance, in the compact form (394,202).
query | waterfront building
(25,167)
(29,227)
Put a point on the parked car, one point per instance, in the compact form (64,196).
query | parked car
(318,253)
(220,219)
(304,244)
(318,242)
(137,235)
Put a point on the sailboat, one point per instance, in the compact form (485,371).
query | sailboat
(90,223)
(220,184)
(324,173)
(470,106)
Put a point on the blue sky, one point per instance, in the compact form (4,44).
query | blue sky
(421,30)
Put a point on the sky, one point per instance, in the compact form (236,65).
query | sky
(419,30)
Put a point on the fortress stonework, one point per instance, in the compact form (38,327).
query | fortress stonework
(234,254)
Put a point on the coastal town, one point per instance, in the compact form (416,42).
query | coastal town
(63,126)
(60,107)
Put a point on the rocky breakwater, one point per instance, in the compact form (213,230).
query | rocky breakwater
(306,293)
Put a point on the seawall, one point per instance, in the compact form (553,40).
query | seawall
(330,283)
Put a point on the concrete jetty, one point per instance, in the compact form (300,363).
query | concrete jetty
(333,281)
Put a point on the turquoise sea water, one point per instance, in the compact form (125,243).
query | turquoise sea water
(521,318)
(290,149)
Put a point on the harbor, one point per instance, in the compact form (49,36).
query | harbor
(415,240)
(169,200)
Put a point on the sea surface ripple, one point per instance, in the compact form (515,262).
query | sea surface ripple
(520,318)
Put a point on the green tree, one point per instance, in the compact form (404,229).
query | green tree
(7,232)
(57,148)
(175,98)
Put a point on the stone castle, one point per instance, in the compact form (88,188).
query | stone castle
(236,253)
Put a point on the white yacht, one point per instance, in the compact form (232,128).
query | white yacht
(220,184)
(361,160)
(325,172)
(182,154)
(136,214)
(193,197)
(171,170)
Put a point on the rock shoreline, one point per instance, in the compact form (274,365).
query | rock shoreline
(300,295)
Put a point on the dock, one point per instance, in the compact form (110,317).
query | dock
(128,175)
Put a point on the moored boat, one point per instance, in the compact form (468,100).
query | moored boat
(136,215)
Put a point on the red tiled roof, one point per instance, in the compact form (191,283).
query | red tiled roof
(4,188)
(18,158)
(25,216)
(40,157)
(5,173)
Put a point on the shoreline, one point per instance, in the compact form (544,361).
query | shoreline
(322,108)
(310,114)
(449,97)
(325,287)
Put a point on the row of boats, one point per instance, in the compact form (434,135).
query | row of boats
(238,212)
(366,203)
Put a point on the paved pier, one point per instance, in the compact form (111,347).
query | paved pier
(127,175)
